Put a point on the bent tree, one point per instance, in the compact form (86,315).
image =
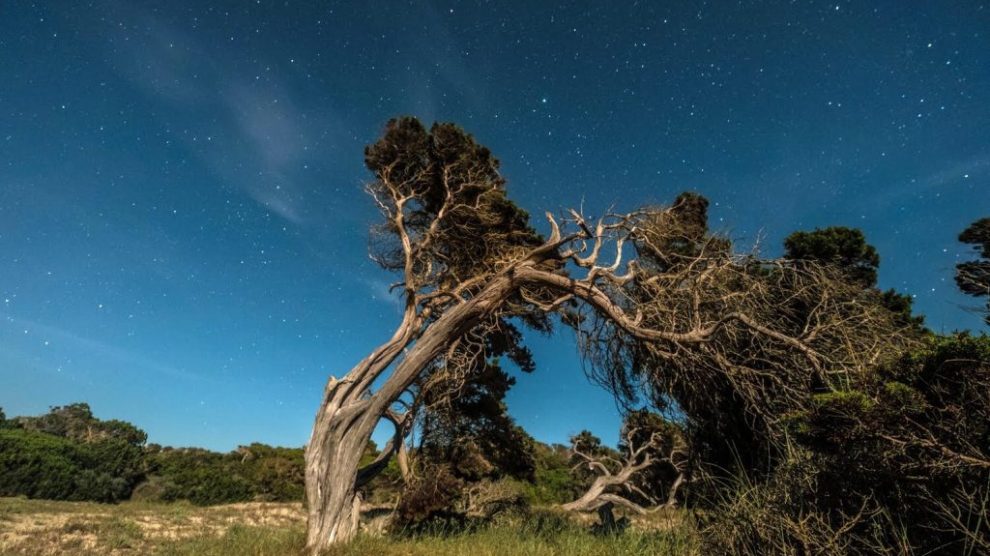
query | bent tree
(643,476)
(469,264)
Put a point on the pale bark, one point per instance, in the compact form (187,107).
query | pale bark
(347,418)
(616,478)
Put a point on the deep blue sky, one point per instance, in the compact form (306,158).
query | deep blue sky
(183,230)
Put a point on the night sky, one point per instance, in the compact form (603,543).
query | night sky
(183,231)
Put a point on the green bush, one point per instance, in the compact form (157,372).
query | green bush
(68,454)
(901,458)
(554,482)
(203,477)
(41,465)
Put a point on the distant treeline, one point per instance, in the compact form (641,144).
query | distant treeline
(68,454)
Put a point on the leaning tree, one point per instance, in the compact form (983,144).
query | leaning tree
(642,476)
(469,264)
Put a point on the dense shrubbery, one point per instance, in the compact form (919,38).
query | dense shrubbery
(76,422)
(894,458)
(899,460)
(431,495)
(255,472)
(40,465)
(913,440)
(889,454)
(554,482)
(470,449)
(68,454)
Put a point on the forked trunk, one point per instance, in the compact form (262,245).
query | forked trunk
(348,415)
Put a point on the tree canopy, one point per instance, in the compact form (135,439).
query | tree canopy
(973,277)
(839,246)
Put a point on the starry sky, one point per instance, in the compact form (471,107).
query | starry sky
(183,231)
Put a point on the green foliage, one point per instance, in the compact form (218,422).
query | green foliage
(255,472)
(911,441)
(902,306)
(472,430)
(76,422)
(466,437)
(68,454)
(973,277)
(42,465)
(423,167)
(553,481)
(845,248)
(199,476)
(978,235)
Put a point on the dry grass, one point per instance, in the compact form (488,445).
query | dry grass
(38,527)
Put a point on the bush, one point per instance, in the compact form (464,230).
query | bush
(899,461)
(203,477)
(68,454)
(430,496)
(554,482)
(40,465)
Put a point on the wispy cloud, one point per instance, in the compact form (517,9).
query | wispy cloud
(440,55)
(79,343)
(954,173)
(268,121)
(965,169)
(379,290)
(247,130)
(154,57)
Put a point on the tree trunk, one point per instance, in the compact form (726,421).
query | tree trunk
(590,497)
(348,415)
(402,457)
(607,518)
(672,495)
(332,458)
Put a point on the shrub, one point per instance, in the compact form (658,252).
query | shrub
(430,496)
(41,465)
(203,477)
(899,461)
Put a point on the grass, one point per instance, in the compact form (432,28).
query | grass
(240,540)
(35,527)
(40,527)
(506,540)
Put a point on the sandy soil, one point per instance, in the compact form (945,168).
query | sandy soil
(30,527)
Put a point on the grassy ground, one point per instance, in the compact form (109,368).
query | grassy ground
(34,527)
(39,527)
